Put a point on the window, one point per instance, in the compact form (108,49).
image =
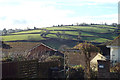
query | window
(101,66)
(113,55)
(115,61)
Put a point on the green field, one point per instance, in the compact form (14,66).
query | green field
(96,33)
(59,28)
(92,29)
(105,26)
(22,37)
(31,31)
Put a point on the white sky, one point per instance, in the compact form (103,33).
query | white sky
(45,13)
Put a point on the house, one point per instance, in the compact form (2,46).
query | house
(42,51)
(114,50)
(18,47)
(75,58)
(10,31)
(94,63)
(31,50)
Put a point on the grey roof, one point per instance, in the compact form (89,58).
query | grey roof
(115,42)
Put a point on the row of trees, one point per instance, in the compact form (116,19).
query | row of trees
(86,24)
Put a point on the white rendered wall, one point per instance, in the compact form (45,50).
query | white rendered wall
(119,54)
(114,54)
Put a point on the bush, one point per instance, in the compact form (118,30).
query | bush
(77,71)
(55,58)
(93,74)
(11,57)
(115,68)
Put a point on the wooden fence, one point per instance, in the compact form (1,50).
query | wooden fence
(21,69)
(44,69)
(27,69)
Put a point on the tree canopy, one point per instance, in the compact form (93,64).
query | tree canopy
(87,47)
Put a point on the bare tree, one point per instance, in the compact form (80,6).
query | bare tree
(87,49)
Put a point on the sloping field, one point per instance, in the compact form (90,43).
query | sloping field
(96,33)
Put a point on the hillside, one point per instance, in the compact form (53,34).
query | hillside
(57,35)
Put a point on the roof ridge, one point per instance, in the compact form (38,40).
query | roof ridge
(39,45)
(114,40)
(49,47)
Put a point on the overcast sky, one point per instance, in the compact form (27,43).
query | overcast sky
(45,13)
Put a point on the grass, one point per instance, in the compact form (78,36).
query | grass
(93,39)
(108,36)
(91,29)
(31,31)
(22,37)
(73,33)
(59,28)
(104,26)
(85,31)
(51,35)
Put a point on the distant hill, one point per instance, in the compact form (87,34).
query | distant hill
(56,36)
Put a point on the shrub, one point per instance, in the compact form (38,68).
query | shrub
(55,58)
(11,57)
(77,71)
(115,68)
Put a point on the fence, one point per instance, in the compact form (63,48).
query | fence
(21,69)
(44,70)
(27,69)
(35,69)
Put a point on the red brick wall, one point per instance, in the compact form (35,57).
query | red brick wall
(38,51)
